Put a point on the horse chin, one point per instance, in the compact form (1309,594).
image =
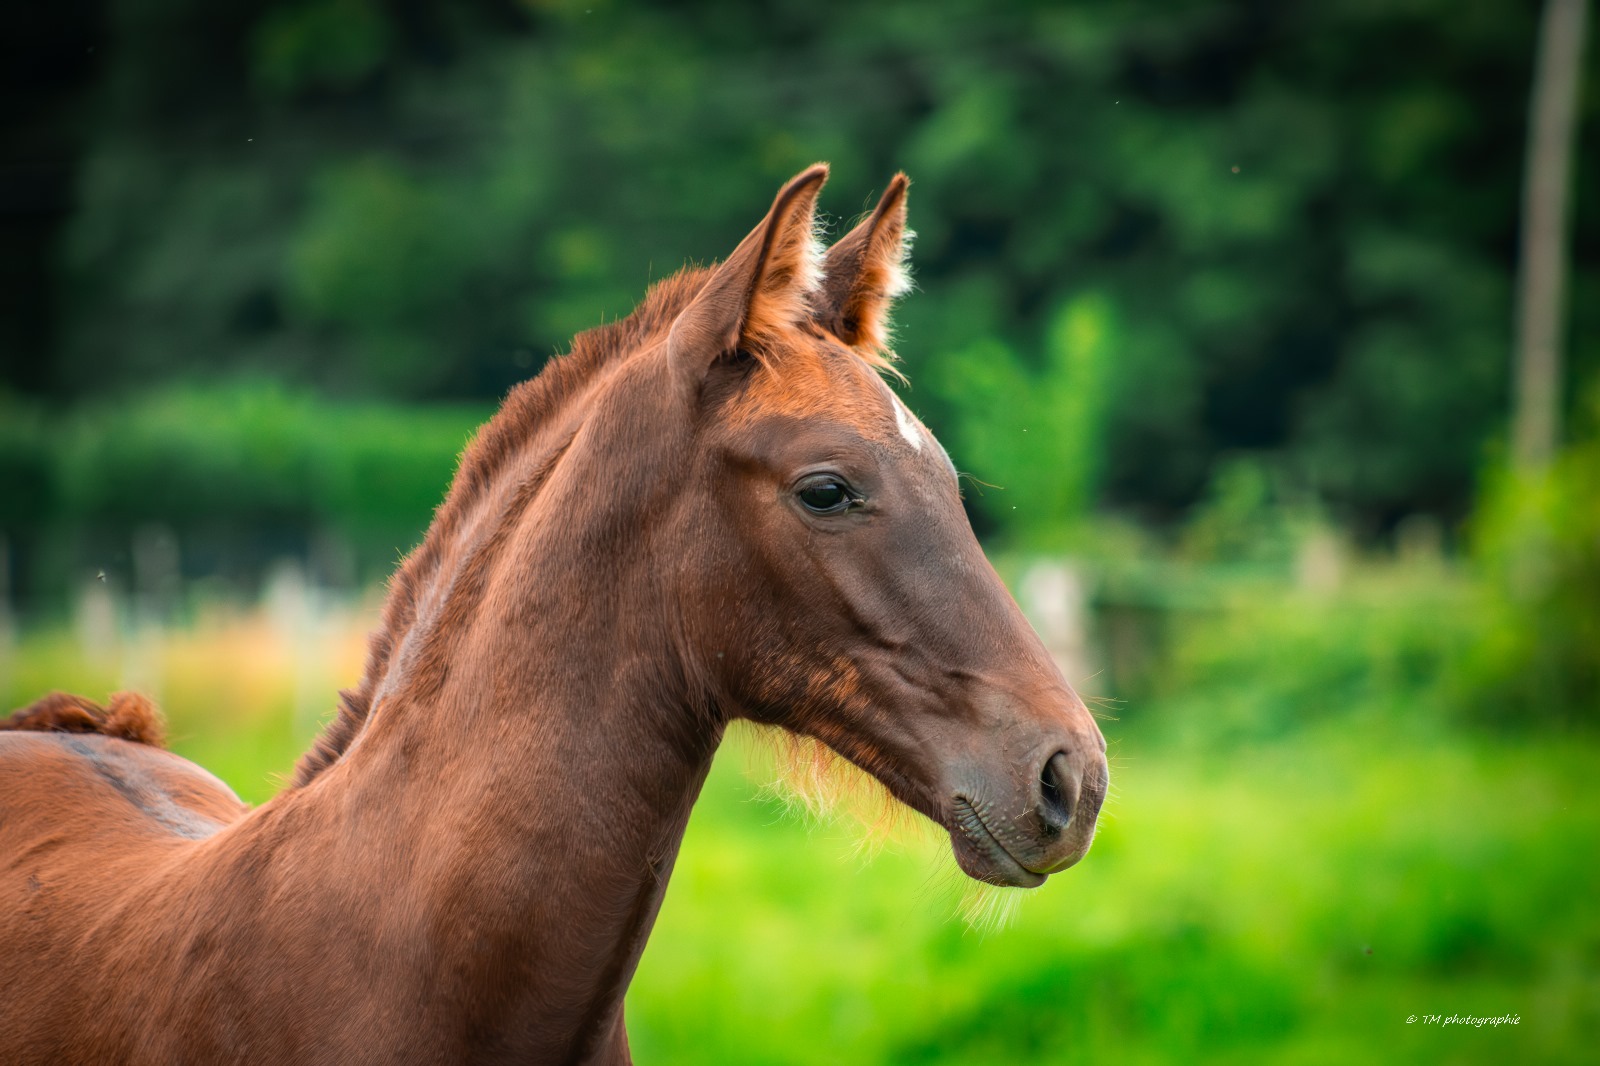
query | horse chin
(1070,860)
(998,868)
(983,858)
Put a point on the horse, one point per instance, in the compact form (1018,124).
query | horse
(712,509)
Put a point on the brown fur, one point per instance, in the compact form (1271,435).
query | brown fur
(528,407)
(865,271)
(473,853)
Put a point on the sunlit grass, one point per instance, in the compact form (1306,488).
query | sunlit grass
(1287,902)
(243,691)
(1287,895)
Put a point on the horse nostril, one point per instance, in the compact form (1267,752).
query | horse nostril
(1058,792)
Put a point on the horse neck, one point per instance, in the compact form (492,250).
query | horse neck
(526,775)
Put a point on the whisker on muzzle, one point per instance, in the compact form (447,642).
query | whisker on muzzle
(820,786)
(811,779)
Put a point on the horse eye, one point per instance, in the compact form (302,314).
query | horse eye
(825,495)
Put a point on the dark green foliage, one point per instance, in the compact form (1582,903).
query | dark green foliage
(238,464)
(1297,219)
(259,453)
(27,469)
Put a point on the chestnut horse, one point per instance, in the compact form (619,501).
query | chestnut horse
(713,508)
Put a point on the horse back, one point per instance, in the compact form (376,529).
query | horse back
(88,823)
(69,764)
(88,785)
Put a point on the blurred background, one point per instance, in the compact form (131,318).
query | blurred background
(1278,379)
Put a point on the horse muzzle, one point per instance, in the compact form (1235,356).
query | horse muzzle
(1041,822)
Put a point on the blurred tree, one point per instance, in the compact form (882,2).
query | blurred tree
(1542,282)
(48,54)
(1038,433)
(423,199)
(1536,538)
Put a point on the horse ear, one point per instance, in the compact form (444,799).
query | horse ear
(865,270)
(764,287)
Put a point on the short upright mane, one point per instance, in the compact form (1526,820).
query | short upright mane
(527,407)
(870,265)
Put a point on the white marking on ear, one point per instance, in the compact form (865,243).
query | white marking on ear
(813,257)
(900,271)
(907,422)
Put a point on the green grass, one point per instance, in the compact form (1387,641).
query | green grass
(1291,902)
(1290,895)
(243,694)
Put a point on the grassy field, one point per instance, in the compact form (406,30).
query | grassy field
(1291,902)
(1294,898)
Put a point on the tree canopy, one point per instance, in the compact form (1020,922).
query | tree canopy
(1153,238)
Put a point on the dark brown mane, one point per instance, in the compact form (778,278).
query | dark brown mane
(129,716)
(528,407)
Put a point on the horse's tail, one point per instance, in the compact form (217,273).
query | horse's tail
(130,717)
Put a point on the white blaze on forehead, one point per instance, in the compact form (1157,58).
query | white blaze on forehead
(910,428)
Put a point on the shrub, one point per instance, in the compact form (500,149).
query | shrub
(1537,544)
(251,465)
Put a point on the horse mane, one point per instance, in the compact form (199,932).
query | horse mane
(130,716)
(527,408)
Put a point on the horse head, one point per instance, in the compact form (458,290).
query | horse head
(827,578)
